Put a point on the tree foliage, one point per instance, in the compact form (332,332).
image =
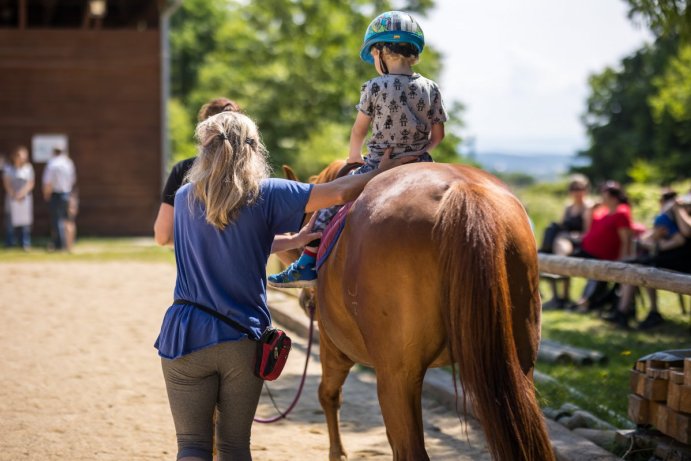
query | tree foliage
(292,66)
(638,115)
(663,17)
(181,131)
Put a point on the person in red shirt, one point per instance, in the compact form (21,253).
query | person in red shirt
(609,236)
(611,229)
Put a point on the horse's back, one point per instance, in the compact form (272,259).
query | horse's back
(383,279)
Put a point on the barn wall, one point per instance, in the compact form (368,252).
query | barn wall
(102,89)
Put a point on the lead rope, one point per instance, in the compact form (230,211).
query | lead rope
(283,414)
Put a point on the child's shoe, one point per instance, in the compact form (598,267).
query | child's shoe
(295,276)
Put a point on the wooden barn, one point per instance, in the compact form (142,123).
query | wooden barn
(87,73)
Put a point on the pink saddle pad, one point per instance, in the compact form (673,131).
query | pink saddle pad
(331,233)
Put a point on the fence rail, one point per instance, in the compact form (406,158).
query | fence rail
(612,271)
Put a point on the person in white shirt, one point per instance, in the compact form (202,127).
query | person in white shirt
(59,178)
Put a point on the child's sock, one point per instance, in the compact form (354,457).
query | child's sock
(307,258)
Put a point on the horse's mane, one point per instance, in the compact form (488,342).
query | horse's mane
(329,173)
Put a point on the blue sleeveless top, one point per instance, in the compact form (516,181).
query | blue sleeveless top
(226,269)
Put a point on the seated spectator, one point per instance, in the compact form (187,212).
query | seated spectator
(664,235)
(664,246)
(564,237)
(608,237)
(682,214)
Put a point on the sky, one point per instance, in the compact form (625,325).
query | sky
(521,67)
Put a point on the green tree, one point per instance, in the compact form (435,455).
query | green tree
(663,17)
(618,119)
(193,35)
(181,131)
(638,116)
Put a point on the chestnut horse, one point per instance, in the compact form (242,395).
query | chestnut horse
(436,265)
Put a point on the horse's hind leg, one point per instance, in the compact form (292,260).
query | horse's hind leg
(335,369)
(400,396)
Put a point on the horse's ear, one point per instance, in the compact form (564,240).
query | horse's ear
(289,173)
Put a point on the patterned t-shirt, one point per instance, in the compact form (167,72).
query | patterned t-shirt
(403,109)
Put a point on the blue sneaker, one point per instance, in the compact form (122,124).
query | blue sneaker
(295,276)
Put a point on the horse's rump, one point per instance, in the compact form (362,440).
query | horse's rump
(383,275)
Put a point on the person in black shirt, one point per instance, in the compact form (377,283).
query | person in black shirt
(175,180)
(163,227)
(563,238)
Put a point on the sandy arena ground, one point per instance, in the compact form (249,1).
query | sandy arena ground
(80,379)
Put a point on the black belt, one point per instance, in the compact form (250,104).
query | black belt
(218,315)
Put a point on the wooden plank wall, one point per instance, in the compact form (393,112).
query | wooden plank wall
(102,89)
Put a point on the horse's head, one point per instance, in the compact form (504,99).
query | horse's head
(289,173)
(329,173)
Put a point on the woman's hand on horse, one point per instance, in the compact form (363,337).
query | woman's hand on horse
(347,188)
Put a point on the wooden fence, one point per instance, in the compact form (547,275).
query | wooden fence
(612,271)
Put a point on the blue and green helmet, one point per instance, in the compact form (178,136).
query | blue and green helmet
(392,27)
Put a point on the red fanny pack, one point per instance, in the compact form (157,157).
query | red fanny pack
(272,347)
(272,352)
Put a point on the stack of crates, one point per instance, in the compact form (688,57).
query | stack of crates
(661,397)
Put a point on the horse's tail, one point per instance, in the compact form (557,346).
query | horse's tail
(473,243)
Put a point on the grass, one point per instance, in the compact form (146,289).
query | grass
(94,249)
(603,389)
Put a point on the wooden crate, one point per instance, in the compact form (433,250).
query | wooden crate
(661,397)
(639,409)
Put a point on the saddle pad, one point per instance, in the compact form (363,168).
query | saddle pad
(331,233)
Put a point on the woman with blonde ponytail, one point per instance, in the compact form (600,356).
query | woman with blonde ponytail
(225,221)
(230,166)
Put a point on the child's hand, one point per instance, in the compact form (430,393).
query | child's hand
(357,159)
(387,162)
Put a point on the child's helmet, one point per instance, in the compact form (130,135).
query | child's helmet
(392,27)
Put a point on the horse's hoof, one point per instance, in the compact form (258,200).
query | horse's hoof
(338,457)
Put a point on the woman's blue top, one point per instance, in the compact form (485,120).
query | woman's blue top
(226,269)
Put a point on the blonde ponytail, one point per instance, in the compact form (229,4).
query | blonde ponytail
(230,166)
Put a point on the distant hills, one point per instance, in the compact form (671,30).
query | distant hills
(542,167)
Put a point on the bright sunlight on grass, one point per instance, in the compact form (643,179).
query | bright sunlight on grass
(94,249)
(603,389)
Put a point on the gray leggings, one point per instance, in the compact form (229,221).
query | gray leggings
(222,377)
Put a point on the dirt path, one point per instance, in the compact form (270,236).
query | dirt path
(80,379)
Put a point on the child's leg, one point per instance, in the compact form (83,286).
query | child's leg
(302,273)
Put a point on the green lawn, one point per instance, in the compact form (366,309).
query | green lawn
(94,249)
(606,386)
